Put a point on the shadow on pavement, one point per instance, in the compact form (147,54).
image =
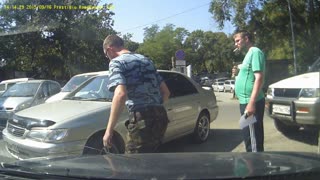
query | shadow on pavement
(308,136)
(219,140)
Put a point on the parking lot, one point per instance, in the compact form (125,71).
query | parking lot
(225,135)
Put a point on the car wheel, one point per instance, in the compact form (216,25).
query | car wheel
(94,146)
(285,128)
(202,129)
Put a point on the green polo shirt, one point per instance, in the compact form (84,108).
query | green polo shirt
(254,61)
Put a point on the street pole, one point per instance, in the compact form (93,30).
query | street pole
(293,40)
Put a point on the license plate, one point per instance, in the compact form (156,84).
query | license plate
(281,109)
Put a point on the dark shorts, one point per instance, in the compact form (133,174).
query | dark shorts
(146,128)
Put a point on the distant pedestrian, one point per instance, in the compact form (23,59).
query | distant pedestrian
(248,88)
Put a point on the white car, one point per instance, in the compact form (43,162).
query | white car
(228,86)
(218,86)
(23,95)
(76,124)
(295,101)
(6,84)
(72,84)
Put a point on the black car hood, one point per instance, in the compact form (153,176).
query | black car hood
(177,165)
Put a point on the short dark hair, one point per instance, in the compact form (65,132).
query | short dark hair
(113,40)
(244,33)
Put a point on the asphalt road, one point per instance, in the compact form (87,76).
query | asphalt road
(225,135)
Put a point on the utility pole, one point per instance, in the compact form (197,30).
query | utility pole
(293,40)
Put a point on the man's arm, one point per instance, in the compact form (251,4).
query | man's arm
(118,102)
(255,92)
(164,92)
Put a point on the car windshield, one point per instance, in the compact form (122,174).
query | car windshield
(95,90)
(160,89)
(22,90)
(74,82)
(2,87)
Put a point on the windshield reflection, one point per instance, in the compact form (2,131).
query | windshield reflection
(74,82)
(22,90)
(94,89)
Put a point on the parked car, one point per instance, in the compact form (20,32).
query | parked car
(23,95)
(228,86)
(295,102)
(73,83)
(6,84)
(76,124)
(218,86)
(222,79)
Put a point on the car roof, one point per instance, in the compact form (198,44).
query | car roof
(93,73)
(37,81)
(15,80)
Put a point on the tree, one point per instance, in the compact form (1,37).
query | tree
(51,42)
(209,51)
(270,21)
(161,45)
(238,12)
(129,44)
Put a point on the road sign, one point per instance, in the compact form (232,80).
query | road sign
(180,55)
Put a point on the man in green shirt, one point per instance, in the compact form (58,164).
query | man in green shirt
(248,88)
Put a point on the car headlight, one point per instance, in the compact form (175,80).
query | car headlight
(310,92)
(22,106)
(47,135)
(270,92)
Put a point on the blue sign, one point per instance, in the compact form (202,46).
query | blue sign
(180,55)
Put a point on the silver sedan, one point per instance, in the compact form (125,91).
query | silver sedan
(76,124)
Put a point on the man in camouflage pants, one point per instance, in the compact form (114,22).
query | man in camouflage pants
(136,84)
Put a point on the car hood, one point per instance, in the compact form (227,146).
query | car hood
(56,111)
(57,97)
(13,102)
(307,80)
(176,165)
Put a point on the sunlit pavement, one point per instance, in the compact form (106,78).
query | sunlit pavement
(303,140)
(225,134)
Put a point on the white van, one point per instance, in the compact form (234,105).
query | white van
(5,84)
(73,83)
(294,102)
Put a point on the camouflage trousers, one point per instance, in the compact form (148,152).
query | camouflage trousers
(146,128)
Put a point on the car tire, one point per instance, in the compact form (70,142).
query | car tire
(202,129)
(94,146)
(285,128)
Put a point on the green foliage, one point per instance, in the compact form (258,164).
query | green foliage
(54,43)
(205,51)
(129,44)
(161,45)
(270,22)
